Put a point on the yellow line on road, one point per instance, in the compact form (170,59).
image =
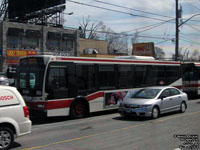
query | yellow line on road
(182,115)
(107,132)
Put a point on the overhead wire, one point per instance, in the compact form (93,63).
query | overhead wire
(190,34)
(151,26)
(117,11)
(111,4)
(148,27)
(127,13)
(189,41)
(194,28)
(123,33)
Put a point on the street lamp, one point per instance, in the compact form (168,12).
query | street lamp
(188,19)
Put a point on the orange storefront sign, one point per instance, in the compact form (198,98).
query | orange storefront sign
(13,55)
(20,53)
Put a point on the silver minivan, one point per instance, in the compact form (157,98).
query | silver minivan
(14,116)
(153,101)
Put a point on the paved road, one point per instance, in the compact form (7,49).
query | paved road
(109,131)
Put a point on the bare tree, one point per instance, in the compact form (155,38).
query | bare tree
(134,39)
(96,30)
(89,29)
(195,56)
(159,53)
(117,42)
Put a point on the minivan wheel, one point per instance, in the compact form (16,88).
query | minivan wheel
(155,112)
(183,107)
(6,138)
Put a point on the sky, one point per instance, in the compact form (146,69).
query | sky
(152,20)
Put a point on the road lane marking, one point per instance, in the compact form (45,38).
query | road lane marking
(107,132)
(182,115)
(85,137)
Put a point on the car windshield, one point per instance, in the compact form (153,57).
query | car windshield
(146,93)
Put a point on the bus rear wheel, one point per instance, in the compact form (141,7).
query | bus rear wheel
(79,109)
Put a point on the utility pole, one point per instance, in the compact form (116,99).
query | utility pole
(177,32)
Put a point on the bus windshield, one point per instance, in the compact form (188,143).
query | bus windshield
(30,79)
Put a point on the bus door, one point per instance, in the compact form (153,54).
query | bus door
(190,78)
(57,82)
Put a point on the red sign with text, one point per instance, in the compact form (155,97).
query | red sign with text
(13,55)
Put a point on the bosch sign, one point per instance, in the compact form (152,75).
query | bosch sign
(6,98)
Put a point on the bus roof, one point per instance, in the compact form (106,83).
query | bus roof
(104,60)
(197,64)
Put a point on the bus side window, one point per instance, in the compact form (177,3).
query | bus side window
(106,77)
(85,77)
(140,76)
(125,76)
(57,85)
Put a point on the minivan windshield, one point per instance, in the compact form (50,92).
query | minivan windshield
(146,93)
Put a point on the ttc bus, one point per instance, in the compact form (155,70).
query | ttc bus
(76,86)
(191,78)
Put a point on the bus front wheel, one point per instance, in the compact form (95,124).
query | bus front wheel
(79,109)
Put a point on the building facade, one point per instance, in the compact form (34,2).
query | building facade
(100,45)
(18,39)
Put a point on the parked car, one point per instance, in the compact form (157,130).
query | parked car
(153,101)
(14,116)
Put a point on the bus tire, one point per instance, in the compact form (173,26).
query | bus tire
(7,138)
(79,109)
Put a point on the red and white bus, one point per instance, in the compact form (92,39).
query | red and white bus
(191,78)
(76,86)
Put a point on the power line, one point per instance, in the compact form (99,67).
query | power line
(151,26)
(117,11)
(189,41)
(132,9)
(156,26)
(163,41)
(193,28)
(190,34)
(193,5)
(122,35)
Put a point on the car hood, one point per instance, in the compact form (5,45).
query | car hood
(138,101)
